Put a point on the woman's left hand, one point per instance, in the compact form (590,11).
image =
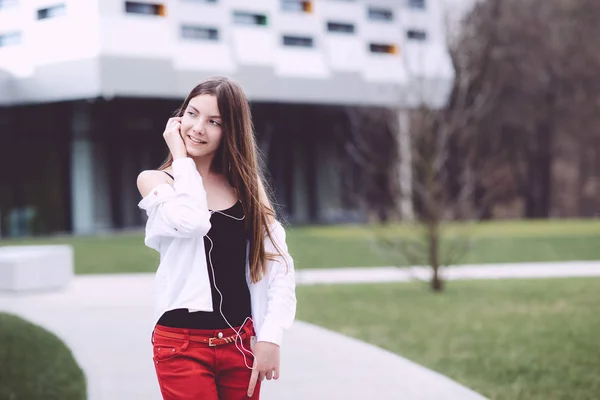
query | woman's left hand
(266,364)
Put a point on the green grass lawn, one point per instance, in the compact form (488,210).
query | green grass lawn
(512,340)
(354,246)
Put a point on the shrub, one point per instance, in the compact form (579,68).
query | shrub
(35,364)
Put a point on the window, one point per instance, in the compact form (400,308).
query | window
(415,34)
(296,6)
(380,14)
(245,18)
(383,48)
(51,12)
(199,33)
(10,39)
(134,7)
(8,3)
(340,27)
(419,4)
(298,41)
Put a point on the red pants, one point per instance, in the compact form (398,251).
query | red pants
(197,364)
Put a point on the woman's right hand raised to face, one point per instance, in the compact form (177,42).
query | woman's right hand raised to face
(173,138)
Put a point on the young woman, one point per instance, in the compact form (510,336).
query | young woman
(225,288)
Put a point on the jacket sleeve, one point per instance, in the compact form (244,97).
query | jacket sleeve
(180,210)
(281,295)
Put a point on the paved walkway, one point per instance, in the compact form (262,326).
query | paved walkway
(105,321)
(471,271)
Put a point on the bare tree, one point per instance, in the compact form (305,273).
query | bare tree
(443,168)
(444,150)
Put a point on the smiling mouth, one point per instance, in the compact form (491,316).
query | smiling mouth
(196,141)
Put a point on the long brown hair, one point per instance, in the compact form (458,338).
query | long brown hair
(238,159)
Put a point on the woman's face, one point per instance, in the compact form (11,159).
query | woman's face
(201,126)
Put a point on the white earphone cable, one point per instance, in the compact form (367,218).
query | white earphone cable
(237,332)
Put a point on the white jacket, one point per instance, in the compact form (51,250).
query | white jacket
(178,219)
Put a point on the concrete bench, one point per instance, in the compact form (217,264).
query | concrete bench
(25,268)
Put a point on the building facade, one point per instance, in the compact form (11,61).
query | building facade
(86,87)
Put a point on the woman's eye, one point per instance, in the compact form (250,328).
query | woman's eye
(212,121)
(190,113)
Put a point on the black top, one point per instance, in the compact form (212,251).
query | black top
(228,257)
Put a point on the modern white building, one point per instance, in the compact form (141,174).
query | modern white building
(87,85)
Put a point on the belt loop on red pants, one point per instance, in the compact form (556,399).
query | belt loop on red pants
(186,339)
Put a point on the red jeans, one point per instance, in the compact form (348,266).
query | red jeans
(198,364)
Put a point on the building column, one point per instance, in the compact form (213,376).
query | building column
(90,196)
(299,180)
(130,196)
(405,166)
(328,181)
